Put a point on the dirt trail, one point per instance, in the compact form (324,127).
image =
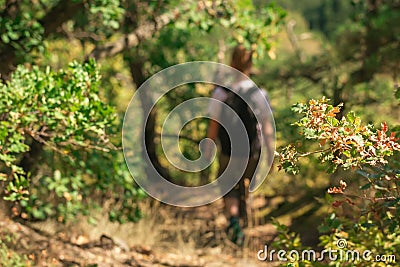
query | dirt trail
(179,237)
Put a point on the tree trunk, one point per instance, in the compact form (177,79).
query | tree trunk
(138,76)
(60,13)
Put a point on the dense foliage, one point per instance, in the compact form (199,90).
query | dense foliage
(59,118)
(373,200)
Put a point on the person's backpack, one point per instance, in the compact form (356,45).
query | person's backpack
(248,118)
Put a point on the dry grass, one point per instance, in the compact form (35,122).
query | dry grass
(164,235)
(159,228)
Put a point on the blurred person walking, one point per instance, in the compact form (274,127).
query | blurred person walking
(235,200)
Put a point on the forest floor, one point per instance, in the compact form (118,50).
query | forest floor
(166,236)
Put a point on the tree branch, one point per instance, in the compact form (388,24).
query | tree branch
(143,32)
(314,152)
(293,40)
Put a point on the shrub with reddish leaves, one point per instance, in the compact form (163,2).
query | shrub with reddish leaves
(365,151)
(344,142)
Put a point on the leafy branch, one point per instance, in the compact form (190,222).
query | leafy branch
(347,142)
(60,110)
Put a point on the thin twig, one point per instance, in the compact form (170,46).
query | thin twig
(314,152)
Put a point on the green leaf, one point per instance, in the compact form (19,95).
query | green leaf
(5,38)
(366,186)
(92,220)
(351,116)
(13,35)
(332,121)
(38,214)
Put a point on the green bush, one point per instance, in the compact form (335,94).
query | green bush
(56,157)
